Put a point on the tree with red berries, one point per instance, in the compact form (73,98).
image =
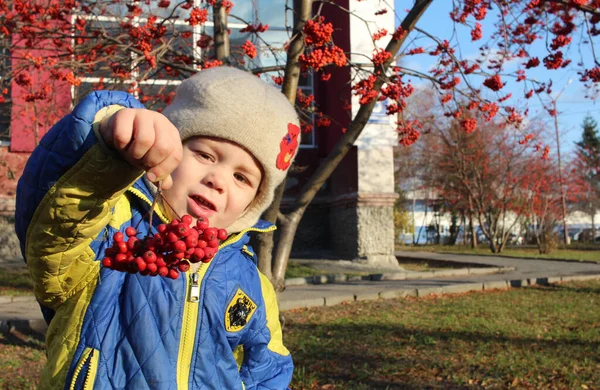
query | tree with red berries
(542,199)
(52,44)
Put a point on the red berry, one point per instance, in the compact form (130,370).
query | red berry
(158,240)
(122,247)
(191,241)
(183,230)
(110,252)
(121,258)
(107,262)
(173,273)
(118,237)
(202,223)
(145,272)
(179,246)
(140,263)
(132,266)
(160,261)
(133,243)
(213,243)
(197,256)
(184,266)
(163,271)
(174,223)
(130,231)
(222,234)
(152,267)
(189,252)
(187,219)
(172,237)
(193,233)
(148,244)
(178,255)
(202,244)
(209,253)
(162,228)
(150,257)
(210,234)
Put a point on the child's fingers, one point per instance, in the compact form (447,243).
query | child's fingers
(164,168)
(143,136)
(167,183)
(166,153)
(121,127)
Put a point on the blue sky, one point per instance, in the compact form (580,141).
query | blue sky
(572,105)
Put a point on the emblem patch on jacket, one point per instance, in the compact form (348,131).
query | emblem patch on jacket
(239,311)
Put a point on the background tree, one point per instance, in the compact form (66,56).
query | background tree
(586,171)
(542,194)
(141,40)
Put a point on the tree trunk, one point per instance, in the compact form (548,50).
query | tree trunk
(593,225)
(472,226)
(289,89)
(283,249)
(221,35)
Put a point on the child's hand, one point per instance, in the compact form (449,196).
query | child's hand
(147,140)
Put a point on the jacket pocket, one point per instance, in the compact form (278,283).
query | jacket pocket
(85,371)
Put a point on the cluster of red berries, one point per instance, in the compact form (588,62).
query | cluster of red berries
(166,253)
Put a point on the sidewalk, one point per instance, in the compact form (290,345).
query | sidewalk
(497,272)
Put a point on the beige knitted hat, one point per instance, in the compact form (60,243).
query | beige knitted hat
(235,105)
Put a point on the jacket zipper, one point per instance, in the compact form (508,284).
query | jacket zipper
(90,363)
(190,313)
(193,286)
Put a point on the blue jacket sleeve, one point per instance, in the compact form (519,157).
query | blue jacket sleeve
(267,362)
(64,199)
(64,144)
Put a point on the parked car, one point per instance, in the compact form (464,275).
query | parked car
(586,235)
(516,239)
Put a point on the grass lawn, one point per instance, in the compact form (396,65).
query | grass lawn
(564,254)
(15,281)
(529,338)
(22,358)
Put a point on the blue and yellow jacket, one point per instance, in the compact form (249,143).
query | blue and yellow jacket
(217,328)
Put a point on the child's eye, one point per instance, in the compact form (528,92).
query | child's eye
(204,156)
(241,178)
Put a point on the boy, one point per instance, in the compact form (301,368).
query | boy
(219,150)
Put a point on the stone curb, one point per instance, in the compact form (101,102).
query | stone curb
(449,289)
(15,299)
(39,325)
(515,257)
(342,278)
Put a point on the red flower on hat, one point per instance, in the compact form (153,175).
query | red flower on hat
(288,147)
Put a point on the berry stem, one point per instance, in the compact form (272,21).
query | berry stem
(168,204)
(158,193)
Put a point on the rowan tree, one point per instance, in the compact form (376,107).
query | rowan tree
(543,204)
(140,40)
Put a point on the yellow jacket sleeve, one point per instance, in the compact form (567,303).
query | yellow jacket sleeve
(71,214)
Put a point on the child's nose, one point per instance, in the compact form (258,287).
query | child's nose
(213,180)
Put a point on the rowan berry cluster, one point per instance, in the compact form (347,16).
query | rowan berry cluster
(168,252)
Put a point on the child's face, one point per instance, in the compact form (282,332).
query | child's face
(216,179)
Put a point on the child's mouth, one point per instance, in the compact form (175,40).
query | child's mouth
(203,202)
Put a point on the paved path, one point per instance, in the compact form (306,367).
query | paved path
(523,272)
(24,311)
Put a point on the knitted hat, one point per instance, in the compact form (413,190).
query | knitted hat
(232,104)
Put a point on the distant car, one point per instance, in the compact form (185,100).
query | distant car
(586,235)
(515,239)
